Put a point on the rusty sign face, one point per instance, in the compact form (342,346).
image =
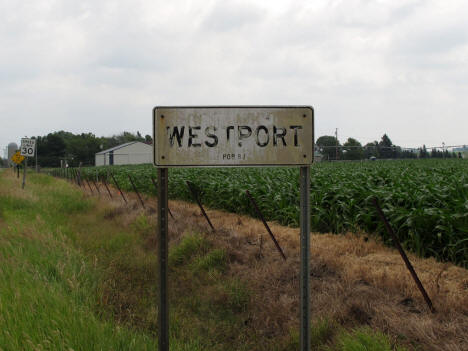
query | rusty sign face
(233,136)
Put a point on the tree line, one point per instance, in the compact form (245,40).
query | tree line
(331,149)
(79,148)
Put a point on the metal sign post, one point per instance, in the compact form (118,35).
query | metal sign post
(163,259)
(25,165)
(305,257)
(236,136)
(28,147)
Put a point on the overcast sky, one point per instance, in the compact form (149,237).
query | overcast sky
(367,67)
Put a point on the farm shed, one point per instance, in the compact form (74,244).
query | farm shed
(131,153)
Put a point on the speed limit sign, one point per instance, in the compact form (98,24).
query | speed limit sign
(28,147)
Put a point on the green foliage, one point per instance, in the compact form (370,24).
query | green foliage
(326,145)
(238,295)
(364,339)
(321,332)
(353,150)
(187,248)
(214,260)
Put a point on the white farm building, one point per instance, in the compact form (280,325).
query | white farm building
(131,153)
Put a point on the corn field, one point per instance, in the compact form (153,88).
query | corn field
(426,201)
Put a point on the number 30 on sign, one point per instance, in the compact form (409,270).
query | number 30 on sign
(28,147)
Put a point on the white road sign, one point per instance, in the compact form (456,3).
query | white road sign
(28,147)
(233,136)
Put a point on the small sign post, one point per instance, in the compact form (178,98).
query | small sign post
(17,159)
(233,136)
(28,147)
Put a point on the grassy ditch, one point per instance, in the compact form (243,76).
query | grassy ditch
(78,274)
(49,286)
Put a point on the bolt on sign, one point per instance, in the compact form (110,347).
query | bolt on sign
(17,158)
(233,136)
(28,147)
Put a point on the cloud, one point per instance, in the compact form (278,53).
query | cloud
(229,15)
(368,67)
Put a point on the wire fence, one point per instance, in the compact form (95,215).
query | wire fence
(372,152)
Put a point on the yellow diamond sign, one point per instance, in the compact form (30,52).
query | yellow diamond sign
(17,158)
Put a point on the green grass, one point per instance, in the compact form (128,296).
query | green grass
(48,289)
(213,261)
(424,200)
(327,336)
(365,339)
(187,248)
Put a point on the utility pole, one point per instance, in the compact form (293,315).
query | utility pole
(443,150)
(336,149)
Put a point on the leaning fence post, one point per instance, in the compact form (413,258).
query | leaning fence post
(195,196)
(156,186)
(105,184)
(92,192)
(136,190)
(95,185)
(118,187)
(79,173)
(80,180)
(73,175)
(77,179)
(403,255)
(259,213)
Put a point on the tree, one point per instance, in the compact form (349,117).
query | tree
(408,154)
(327,146)
(352,150)
(423,152)
(79,148)
(148,139)
(122,138)
(386,147)
(371,150)
(82,148)
(51,148)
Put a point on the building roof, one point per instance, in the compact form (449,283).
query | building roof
(458,149)
(119,147)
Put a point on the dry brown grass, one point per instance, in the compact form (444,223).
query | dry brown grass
(354,280)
